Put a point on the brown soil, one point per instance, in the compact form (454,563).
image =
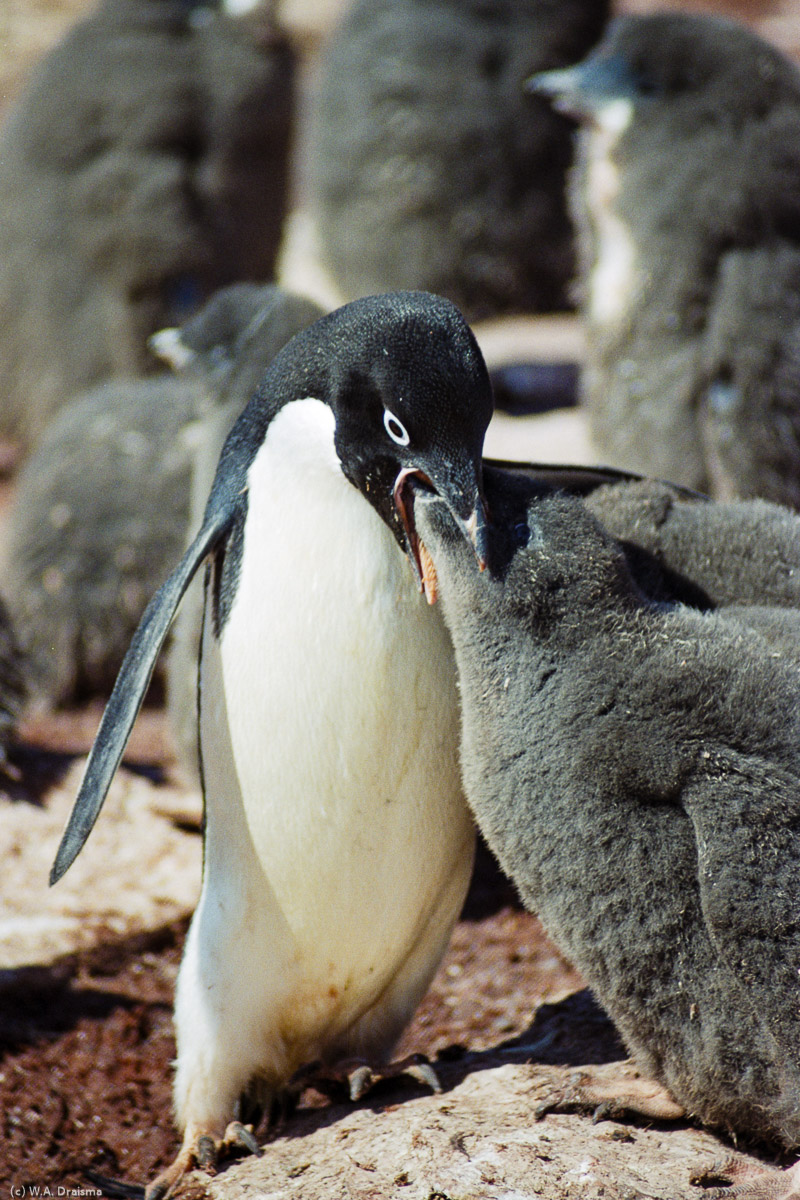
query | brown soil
(87,1042)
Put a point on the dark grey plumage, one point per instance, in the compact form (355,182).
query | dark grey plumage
(224,350)
(734,552)
(99,516)
(430,168)
(635,765)
(104,504)
(14,680)
(686,198)
(144,166)
(738,558)
(681,546)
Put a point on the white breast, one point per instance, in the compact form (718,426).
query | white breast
(614,278)
(341,700)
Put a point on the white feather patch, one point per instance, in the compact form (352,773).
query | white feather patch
(340,693)
(614,277)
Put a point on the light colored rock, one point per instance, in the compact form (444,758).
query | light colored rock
(138,870)
(559,338)
(555,437)
(477,1141)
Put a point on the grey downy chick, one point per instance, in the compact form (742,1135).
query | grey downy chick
(434,171)
(14,681)
(686,201)
(99,514)
(740,558)
(143,167)
(635,766)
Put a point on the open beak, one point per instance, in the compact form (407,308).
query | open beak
(463,498)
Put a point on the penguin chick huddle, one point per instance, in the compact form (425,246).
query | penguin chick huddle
(620,703)
(635,765)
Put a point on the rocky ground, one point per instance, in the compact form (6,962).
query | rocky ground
(87,970)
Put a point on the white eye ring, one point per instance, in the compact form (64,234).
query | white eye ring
(395,429)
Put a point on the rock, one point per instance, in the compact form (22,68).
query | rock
(478,1139)
(139,870)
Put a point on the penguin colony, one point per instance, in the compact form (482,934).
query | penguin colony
(383,394)
(390,394)
(686,198)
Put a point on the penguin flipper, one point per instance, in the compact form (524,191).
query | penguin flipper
(127,696)
(574,479)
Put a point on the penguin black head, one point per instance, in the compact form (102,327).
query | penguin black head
(411,398)
(709,68)
(214,335)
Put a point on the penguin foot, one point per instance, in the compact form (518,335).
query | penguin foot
(358,1076)
(610,1095)
(204,1151)
(756,1183)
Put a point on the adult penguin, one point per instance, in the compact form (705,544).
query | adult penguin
(330,765)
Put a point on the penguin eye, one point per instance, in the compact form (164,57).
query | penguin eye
(395,429)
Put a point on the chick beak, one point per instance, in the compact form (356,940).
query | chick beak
(466,506)
(584,89)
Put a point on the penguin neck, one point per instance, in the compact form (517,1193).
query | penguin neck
(302,434)
(306,523)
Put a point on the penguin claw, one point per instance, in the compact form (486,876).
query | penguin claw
(241,1137)
(358,1076)
(611,1096)
(203,1151)
(757,1183)
(418,1067)
(360,1080)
